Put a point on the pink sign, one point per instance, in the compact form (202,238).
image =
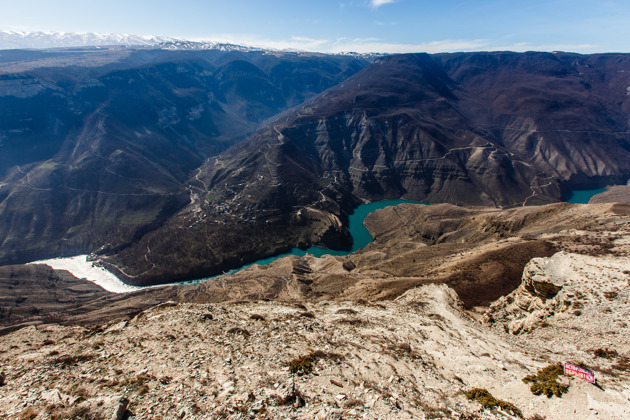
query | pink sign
(586,374)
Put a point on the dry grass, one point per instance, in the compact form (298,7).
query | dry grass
(605,353)
(545,381)
(304,364)
(485,398)
(239,330)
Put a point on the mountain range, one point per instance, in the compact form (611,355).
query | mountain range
(20,39)
(97,145)
(176,164)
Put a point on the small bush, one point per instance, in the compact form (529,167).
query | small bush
(545,381)
(306,315)
(485,398)
(256,317)
(239,330)
(304,365)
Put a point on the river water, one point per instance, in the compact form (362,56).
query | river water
(360,236)
(582,196)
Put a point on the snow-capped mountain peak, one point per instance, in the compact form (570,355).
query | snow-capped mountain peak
(14,39)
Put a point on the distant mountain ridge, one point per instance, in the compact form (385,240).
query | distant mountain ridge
(17,40)
(56,40)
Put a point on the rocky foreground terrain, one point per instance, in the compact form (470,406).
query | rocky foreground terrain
(402,329)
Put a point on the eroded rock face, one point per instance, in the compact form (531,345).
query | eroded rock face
(527,307)
(558,289)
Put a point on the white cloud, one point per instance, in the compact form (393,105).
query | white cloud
(379,3)
(371,45)
(376,45)
(293,43)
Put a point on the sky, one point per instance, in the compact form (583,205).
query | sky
(387,26)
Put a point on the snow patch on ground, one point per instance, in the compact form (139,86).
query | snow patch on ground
(81,268)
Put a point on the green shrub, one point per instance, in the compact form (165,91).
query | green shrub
(302,365)
(485,398)
(545,381)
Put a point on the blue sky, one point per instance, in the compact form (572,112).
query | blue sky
(345,25)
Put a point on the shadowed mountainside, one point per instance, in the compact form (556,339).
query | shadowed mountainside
(498,129)
(97,145)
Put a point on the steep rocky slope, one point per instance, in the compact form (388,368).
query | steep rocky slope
(560,289)
(414,357)
(481,128)
(498,129)
(97,145)
(387,330)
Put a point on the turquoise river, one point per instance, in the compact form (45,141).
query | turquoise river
(361,236)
